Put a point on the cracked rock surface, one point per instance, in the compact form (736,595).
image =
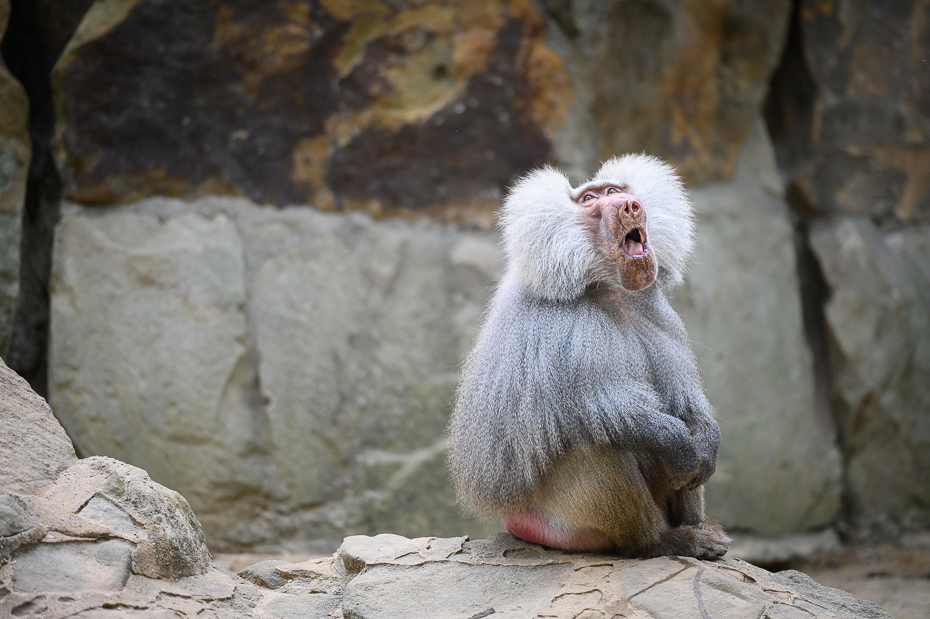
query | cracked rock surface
(98,538)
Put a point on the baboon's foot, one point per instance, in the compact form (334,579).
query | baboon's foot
(705,540)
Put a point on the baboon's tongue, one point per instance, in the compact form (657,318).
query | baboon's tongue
(633,245)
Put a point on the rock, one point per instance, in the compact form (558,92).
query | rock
(778,469)
(73,567)
(15,150)
(265,574)
(20,525)
(360,105)
(858,140)
(430,107)
(879,330)
(314,407)
(34,448)
(94,502)
(684,81)
(504,576)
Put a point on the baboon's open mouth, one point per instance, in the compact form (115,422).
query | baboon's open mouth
(634,243)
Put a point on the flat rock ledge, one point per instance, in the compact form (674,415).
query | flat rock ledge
(393,576)
(96,538)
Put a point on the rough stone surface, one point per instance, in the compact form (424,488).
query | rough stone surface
(682,80)
(34,449)
(779,468)
(857,134)
(15,149)
(502,576)
(879,326)
(360,104)
(314,407)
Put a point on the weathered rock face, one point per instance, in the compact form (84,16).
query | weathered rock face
(15,150)
(298,366)
(779,468)
(359,104)
(314,405)
(879,322)
(862,136)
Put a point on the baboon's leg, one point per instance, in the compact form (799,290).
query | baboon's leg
(597,498)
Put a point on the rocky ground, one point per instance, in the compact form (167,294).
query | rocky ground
(896,576)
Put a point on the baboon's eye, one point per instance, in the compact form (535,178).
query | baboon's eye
(611,190)
(588,197)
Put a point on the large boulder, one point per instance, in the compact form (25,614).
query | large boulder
(298,365)
(779,467)
(74,533)
(878,317)
(15,150)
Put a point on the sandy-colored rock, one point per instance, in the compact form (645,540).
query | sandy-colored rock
(15,149)
(778,469)
(879,325)
(502,576)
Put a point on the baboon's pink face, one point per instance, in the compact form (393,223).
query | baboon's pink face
(617,219)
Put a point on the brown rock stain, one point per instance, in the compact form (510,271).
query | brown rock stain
(310,158)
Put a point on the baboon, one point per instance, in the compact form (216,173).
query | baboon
(580,419)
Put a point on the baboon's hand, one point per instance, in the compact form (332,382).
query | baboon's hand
(679,450)
(706,436)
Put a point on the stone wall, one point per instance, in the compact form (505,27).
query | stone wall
(289,369)
(278,240)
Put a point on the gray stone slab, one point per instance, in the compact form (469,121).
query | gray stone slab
(878,316)
(361,326)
